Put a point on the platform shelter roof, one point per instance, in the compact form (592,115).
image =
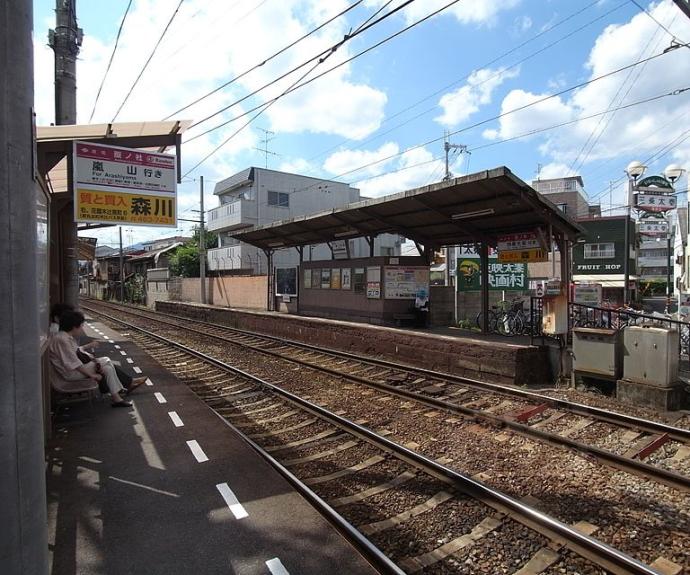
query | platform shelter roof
(478,207)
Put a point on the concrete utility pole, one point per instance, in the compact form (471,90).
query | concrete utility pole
(23,527)
(447,146)
(65,41)
(202,245)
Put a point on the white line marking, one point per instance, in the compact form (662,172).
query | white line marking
(160,398)
(117,347)
(130,360)
(235,506)
(276,567)
(136,369)
(197,451)
(123,352)
(149,382)
(89,459)
(175,419)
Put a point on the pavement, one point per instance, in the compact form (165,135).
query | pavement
(167,487)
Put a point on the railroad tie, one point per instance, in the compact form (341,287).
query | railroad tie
(428,505)
(399,480)
(416,564)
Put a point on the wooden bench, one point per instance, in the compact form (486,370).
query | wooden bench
(70,391)
(400,318)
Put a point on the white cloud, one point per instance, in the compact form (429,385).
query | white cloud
(634,132)
(466,11)
(413,168)
(466,100)
(345,161)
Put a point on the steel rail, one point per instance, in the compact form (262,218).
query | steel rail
(675,433)
(588,547)
(629,465)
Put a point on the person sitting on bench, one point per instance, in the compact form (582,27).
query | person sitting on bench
(84,352)
(62,351)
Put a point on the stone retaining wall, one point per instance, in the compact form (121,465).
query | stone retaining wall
(502,363)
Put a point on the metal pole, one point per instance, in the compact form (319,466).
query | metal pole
(24,532)
(668,270)
(626,254)
(202,244)
(122,270)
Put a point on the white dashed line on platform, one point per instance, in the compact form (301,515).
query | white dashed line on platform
(148,382)
(276,567)
(123,352)
(235,506)
(175,419)
(160,398)
(130,360)
(136,369)
(117,346)
(197,451)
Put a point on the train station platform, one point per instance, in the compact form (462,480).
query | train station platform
(167,487)
(492,358)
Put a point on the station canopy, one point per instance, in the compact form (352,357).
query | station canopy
(478,207)
(54,143)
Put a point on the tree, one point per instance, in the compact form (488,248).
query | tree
(185,261)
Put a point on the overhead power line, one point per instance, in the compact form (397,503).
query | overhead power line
(165,30)
(262,63)
(117,40)
(318,57)
(271,101)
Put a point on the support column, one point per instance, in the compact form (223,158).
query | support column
(23,534)
(484,271)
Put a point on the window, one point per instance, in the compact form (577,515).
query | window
(563,207)
(599,251)
(280,199)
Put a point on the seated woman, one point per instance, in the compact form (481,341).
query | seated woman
(84,352)
(62,351)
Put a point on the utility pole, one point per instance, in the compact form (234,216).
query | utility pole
(65,41)
(24,532)
(122,270)
(202,244)
(447,146)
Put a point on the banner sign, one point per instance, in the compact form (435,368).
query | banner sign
(502,276)
(124,185)
(653,227)
(535,255)
(655,202)
(517,242)
(587,294)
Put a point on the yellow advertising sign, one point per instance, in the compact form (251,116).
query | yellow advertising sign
(120,207)
(533,255)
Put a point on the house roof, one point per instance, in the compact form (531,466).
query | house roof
(476,207)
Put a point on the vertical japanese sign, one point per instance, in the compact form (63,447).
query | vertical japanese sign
(124,185)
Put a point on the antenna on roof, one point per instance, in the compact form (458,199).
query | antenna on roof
(265,149)
(539,166)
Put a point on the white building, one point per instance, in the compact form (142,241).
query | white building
(258,197)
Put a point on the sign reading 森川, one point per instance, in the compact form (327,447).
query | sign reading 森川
(124,185)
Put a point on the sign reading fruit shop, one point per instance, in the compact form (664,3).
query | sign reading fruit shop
(124,186)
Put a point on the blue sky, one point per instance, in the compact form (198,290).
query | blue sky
(457,72)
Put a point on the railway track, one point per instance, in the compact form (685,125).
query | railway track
(424,515)
(646,448)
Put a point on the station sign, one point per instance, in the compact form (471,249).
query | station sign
(651,227)
(655,202)
(587,294)
(118,185)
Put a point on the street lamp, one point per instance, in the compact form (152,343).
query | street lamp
(634,171)
(672,173)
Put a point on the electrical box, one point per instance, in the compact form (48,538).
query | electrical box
(597,352)
(651,355)
(555,315)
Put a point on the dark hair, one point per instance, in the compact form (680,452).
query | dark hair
(58,309)
(70,319)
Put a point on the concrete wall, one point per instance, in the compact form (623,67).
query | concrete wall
(490,361)
(245,292)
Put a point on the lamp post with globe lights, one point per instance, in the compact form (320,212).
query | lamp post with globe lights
(634,170)
(672,173)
